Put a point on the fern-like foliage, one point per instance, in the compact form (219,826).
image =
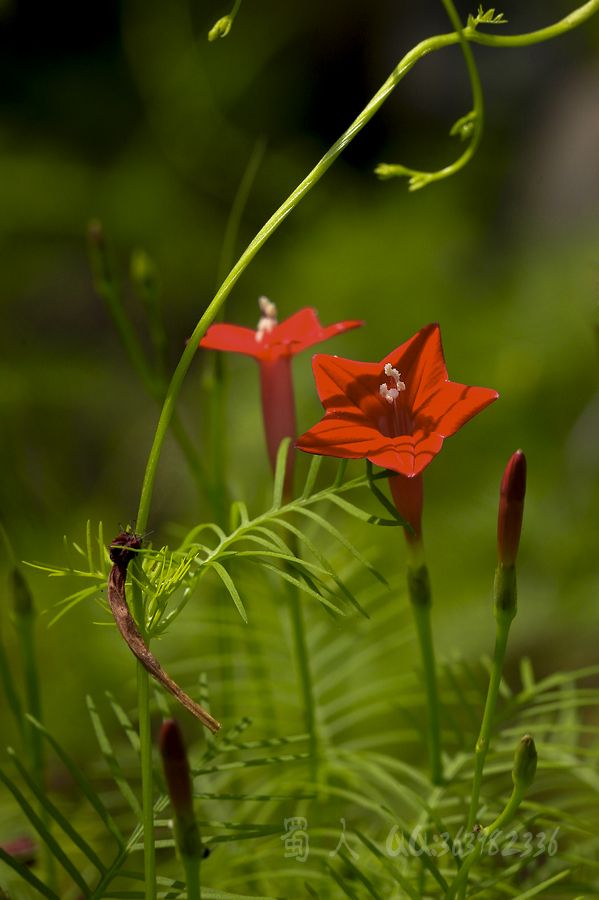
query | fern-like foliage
(207,547)
(377,827)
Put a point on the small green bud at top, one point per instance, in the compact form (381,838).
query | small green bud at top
(143,270)
(221,28)
(20,596)
(176,769)
(525,762)
(511,509)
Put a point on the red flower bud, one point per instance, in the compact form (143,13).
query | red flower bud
(176,769)
(511,509)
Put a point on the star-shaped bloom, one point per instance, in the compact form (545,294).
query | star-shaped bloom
(395,413)
(273,346)
(272,341)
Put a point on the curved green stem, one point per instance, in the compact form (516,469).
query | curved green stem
(573,20)
(472,123)
(504,817)
(409,60)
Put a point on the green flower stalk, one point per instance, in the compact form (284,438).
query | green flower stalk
(509,526)
(23,615)
(180,790)
(523,774)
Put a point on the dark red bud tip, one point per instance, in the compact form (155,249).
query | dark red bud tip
(122,546)
(511,509)
(176,768)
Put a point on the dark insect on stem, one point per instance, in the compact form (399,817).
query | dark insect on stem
(122,551)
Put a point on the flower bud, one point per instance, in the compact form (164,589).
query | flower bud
(176,768)
(511,509)
(180,791)
(144,273)
(221,28)
(525,763)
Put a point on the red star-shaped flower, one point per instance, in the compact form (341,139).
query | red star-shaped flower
(395,413)
(273,346)
(272,341)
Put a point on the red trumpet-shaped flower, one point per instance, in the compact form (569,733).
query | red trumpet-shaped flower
(273,345)
(395,413)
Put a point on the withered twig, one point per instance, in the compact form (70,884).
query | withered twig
(121,553)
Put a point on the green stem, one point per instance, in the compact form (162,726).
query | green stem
(573,20)
(422,616)
(145,738)
(508,813)
(303,670)
(12,696)
(475,119)
(192,876)
(25,628)
(237,208)
(215,377)
(482,744)
(109,291)
(409,60)
(302,661)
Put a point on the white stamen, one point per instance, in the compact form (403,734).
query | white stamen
(391,394)
(268,320)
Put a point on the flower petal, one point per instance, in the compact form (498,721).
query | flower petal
(303,330)
(294,334)
(233,338)
(346,385)
(455,404)
(422,365)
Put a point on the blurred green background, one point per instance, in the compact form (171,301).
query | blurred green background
(138,120)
